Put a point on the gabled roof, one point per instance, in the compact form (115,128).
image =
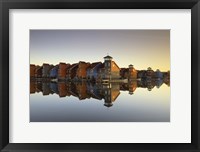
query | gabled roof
(93,65)
(123,69)
(116,64)
(73,65)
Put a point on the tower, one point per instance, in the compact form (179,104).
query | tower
(107,66)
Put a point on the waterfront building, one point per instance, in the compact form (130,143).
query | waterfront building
(158,74)
(124,73)
(81,70)
(46,69)
(141,74)
(93,70)
(62,70)
(54,72)
(71,71)
(111,92)
(150,73)
(132,72)
(110,70)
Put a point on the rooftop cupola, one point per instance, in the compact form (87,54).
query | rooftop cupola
(130,66)
(108,57)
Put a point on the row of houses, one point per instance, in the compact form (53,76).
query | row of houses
(81,70)
(108,70)
(149,73)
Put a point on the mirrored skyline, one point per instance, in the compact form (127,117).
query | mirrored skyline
(136,101)
(102,75)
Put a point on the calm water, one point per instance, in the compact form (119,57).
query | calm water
(138,101)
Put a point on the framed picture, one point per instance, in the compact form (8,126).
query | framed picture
(99,75)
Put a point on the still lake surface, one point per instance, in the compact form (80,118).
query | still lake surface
(85,102)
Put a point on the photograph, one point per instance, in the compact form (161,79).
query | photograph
(99,75)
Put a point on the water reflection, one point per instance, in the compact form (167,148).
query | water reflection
(84,90)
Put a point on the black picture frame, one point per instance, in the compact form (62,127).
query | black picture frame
(5,5)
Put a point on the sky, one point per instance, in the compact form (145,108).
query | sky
(141,48)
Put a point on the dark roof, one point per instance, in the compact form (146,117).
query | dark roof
(94,65)
(108,57)
(116,64)
(55,67)
(82,62)
(62,63)
(73,65)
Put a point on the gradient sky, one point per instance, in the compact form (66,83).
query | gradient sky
(142,48)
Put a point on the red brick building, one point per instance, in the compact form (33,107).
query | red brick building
(62,70)
(81,71)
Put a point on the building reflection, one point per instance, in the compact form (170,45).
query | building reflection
(85,90)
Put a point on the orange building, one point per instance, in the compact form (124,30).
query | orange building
(62,70)
(81,71)
(132,72)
